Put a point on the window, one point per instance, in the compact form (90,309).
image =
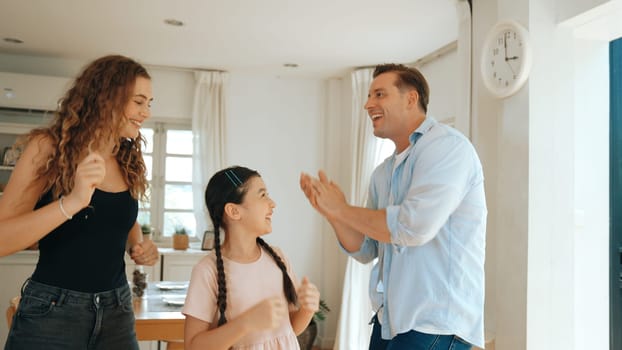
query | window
(168,157)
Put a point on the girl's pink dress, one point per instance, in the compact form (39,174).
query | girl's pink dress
(247,285)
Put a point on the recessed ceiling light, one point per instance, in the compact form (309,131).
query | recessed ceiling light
(174,22)
(290,65)
(8,93)
(13,40)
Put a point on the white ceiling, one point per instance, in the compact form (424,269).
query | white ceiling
(324,37)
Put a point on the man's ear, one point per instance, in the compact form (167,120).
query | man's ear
(413,98)
(231,210)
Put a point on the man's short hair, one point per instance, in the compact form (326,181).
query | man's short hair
(408,78)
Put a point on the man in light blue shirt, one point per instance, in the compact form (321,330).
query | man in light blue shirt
(425,222)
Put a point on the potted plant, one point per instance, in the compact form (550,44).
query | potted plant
(147,231)
(139,282)
(139,277)
(307,337)
(180,238)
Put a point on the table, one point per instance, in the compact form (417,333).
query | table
(157,320)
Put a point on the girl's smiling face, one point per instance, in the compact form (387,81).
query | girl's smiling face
(257,207)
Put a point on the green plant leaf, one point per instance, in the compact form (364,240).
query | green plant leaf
(320,315)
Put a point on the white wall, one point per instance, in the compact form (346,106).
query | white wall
(550,313)
(173,93)
(569,9)
(273,126)
(282,127)
(550,231)
(485,126)
(441,75)
(591,189)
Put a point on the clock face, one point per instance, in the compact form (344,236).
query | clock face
(506,59)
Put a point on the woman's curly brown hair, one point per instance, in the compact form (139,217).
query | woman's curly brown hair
(91,113)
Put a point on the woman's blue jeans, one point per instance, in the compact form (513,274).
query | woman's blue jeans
(414,340)
(54,318)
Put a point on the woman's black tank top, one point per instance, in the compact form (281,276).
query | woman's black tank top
(86,253)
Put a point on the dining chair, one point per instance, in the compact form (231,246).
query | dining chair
(174,345)
(10,311)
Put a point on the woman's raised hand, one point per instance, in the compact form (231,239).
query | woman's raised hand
(90,173)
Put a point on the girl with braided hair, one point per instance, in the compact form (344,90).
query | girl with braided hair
(244,294)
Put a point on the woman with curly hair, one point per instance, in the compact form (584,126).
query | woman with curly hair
(75,191)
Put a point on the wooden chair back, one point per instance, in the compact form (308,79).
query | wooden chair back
(11,310)
(174,345)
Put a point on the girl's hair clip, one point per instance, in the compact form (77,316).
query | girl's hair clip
(235,180)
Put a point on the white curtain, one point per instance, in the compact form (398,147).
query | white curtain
(208,133)
(353,330)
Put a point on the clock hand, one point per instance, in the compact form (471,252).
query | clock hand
(505,46)
(507,60)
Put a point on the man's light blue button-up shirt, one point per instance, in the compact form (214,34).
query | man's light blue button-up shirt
(431,276)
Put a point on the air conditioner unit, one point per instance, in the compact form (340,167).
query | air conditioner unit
(23,116)
(31,92)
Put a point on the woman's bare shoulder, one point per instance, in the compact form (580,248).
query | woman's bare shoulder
(42,142)
(24,187)
(38,149)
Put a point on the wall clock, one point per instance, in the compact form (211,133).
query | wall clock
(506,58)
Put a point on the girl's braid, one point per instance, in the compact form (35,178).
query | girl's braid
(288,285)
(222,284)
